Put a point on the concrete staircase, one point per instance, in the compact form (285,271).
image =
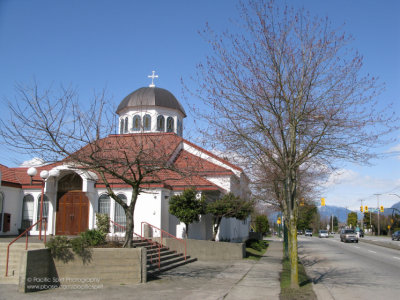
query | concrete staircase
(16,251)
(168,259)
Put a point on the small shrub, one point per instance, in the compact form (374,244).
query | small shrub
(60,248)
(103,223)
(79,245)
(257,245)
(94,237)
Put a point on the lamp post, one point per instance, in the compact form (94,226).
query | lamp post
(32,171)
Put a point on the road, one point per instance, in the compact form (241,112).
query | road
(350,270)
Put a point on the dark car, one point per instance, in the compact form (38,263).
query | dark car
(348,235)
(361,233)
(396,235)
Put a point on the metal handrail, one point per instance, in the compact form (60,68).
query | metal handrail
(26,242)
(151,242)
(167,233)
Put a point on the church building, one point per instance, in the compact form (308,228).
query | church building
(73,196)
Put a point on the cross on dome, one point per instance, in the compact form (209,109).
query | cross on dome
(152,76)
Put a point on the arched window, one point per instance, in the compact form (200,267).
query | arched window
(136,123)
(121,126)
(27,211)
(179,127)
(119,216)
(147,123)
(126,125)
(104,204)
(170,124)
(160,123)
(45,210)
(1,209)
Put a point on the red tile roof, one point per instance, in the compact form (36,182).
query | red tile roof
(154,149)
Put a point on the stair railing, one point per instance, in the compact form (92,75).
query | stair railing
(26,242)
(162,233)
(151,242)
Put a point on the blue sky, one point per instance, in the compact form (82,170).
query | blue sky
(94,44)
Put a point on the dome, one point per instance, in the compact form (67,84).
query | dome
(151,96)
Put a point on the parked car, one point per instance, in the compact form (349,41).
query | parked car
(308,232)
(323,234)
(299,232)
(348,235)
(396,235)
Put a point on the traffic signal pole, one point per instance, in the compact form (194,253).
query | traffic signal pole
(379,227)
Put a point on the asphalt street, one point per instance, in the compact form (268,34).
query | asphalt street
(350,270)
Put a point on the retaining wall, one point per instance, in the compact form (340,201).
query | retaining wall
(104,266)
(208,250)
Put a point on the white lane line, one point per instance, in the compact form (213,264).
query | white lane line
(371,251)
(357,247)
(396,257)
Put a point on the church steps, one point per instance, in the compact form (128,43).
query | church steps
(155,271)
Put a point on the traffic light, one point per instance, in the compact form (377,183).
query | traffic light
(302,202)
(382,209)
(366,208)
(361,208)
(279,221)
(322,201)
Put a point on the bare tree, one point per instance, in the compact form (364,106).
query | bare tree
(286,86)
(58,128)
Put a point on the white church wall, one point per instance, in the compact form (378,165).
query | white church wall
(148,209)
(165,197)
(12,204)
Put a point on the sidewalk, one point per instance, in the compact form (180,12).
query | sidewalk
(262,280)
(237,279)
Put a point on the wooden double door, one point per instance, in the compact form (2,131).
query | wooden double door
(72,213)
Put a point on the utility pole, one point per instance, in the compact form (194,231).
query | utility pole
(332,223)
(379,227)
(362,219)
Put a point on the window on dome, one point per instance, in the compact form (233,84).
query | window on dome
(160,123)
(104,204)
(27,211)
(136,123)
(1,208)
(45,210)
(147,122)
(126,125)
(121,126)
(170,124)
(119,216)
(179,127)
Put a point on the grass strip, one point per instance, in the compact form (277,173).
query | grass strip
(305,291)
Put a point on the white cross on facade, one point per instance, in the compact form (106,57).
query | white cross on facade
(152,79)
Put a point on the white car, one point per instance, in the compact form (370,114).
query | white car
(308,233)
(323,234)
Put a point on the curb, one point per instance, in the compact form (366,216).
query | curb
(382,244)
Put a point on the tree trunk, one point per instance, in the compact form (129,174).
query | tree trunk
(217,222)
(129,228)
(294,272)
(187,230)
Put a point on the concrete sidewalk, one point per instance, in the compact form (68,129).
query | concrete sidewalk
(235,279)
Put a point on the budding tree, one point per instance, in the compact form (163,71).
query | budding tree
(284,86)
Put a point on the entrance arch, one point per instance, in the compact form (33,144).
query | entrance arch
(72,215)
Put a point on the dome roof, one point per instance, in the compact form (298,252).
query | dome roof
(151,96)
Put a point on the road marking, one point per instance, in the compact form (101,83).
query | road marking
(396,257)
(371,251)
(357,247)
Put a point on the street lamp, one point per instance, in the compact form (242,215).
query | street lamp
(32,171)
